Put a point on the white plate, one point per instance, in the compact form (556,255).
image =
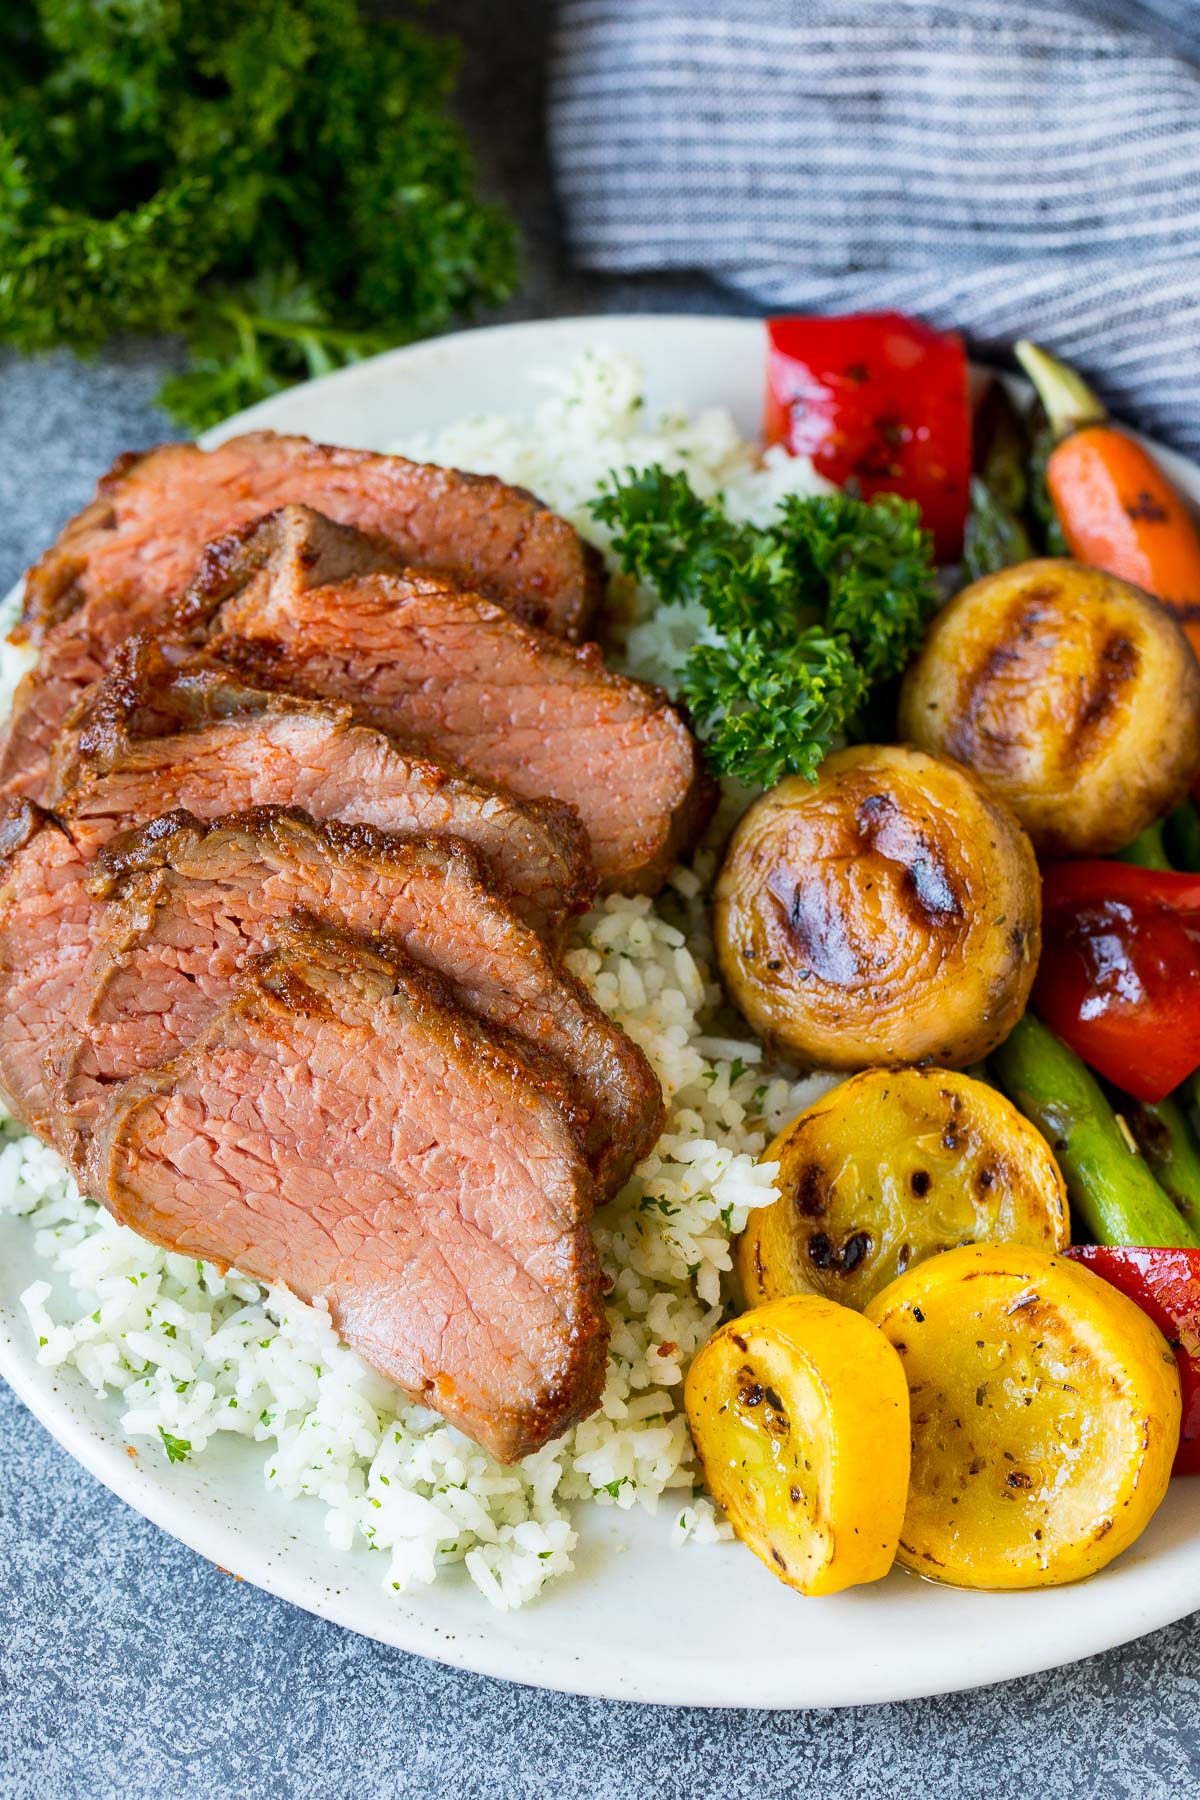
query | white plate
(638,1621)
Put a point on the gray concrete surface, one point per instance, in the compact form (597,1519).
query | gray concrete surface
(130,1667)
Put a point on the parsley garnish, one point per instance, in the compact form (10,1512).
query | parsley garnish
(808,614)
(177,1449)
(281,183)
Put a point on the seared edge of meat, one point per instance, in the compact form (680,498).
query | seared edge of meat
(338,553)
(475,527)
(52,584)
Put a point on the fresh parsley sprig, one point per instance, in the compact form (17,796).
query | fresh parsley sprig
(809,613)
(280,182)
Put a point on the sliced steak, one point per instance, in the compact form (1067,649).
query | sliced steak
(68,664)
(463,679)
(150,741)
(343,1128)
(46,927)
(189,905)
(93,639)
(137,544)
(116,565)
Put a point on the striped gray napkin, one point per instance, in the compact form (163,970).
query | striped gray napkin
(1011,167)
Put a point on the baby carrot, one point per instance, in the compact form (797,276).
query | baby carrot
(1118,509)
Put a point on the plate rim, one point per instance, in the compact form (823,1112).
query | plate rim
(148,1489)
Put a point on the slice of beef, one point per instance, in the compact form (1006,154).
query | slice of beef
(151,740)
(190,904)
(463,679)
(116,565)
(343,1128)
(137,544)
(46,932)
(69,662)
(93,639)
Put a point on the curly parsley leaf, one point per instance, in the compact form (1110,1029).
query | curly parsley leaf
(808,613)
(280,183)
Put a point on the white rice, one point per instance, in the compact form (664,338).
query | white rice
(190,1354)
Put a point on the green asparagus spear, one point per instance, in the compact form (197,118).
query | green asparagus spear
(1113,1194)
(1147,850)
(995,538)
(996,534)
(1181,832)
(1048,531)
(1165,1140)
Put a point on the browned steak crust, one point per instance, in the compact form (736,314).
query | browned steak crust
(139,540)
(118,563)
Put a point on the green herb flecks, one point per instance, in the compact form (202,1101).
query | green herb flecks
(177,1449)
(280,183)
(808,614)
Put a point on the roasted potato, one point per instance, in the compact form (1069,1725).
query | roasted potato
(1045,1416)
(890,1168)
(888,913)
(1073,695)
(799,1415)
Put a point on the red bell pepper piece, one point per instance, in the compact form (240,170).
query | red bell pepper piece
(1166,1285)
(879,399)
(1119,978)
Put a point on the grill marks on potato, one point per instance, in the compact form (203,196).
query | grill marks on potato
(905,863)
(817,928)
(889,913)
(891,855)
(925,879)
(1011,658)
(1117,666)
(1039,644)
(1073,694)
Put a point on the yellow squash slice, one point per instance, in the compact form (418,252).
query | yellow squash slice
(892,1167)
(799,1413)
(1045,1416)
